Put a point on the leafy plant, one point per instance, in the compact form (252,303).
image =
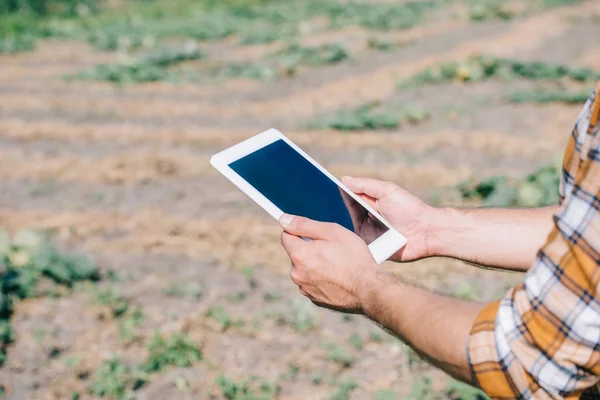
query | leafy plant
(301,315)
(246,389)
(24,261)
(345,387)
(338,354)
(536,190)
(128,324)
(151,67)
(483,10)
(117,380)
(551,96)
(385,395)
(462,391)
(369,117)
(285,62)
(221,316)
(481,68)
(16,44)
(382,45)
(380,16)
(178,350)
(190,289)
(113,300)
(356,341)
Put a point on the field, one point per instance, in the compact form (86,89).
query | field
(108,119)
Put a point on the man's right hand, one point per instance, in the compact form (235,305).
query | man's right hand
(407,213)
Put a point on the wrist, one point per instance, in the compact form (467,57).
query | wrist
(370,288)
(443,227)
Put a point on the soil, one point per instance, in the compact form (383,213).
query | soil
(123,174)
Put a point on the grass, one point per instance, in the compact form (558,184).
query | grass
(371,117)
(481,68)
(26,259)
(536,190)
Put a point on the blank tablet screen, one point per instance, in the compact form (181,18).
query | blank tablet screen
(297,187)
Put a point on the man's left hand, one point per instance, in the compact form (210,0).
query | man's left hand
(331,268)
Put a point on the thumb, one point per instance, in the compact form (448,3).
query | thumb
(304,227)
(371,187)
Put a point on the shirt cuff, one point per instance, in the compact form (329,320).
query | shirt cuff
(483,355)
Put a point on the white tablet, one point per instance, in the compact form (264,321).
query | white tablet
(282,178)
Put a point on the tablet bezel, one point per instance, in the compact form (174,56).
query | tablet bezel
(381,248)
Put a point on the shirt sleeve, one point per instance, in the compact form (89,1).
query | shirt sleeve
(542,340)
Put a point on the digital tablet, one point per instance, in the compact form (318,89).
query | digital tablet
(282,178)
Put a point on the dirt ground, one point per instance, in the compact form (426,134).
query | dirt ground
(123,174)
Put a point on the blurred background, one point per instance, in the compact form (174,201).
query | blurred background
(131,269)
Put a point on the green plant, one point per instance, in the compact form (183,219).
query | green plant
(536,190)
(462,391)
(370,117)
(483,10)
(117,380)
(190,289)
(385,395)
(356,341)
(301,315)
(481,68)
(151,67)
(113,300)
(380,16)
(382,45)
(46,7)
(551,96)
(178,350)
(221,316)
(317,378)
(129,323)
(345,387)
(248,389)
(24,261)
(338,354)
(422,389)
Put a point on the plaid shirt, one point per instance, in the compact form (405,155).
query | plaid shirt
(542,340)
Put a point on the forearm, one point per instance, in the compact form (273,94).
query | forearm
(494,237)
(435,326)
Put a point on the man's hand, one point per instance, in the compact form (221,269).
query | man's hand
(329,269)
(336,270)
(407,213)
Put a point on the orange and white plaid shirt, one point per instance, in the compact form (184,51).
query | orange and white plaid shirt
(542,340)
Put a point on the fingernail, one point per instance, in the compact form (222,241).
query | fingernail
(346,177)
(285,219)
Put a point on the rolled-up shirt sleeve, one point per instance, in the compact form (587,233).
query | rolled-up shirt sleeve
(542,339)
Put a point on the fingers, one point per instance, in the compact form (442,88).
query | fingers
(307,228)
(371,187)
(292,244)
